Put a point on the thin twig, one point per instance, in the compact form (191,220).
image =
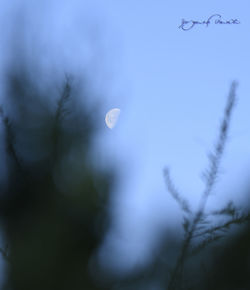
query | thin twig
(10,140)
(175,194)
(226,225)
(210,179)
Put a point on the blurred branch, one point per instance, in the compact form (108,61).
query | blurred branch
(229,209)
(210,177)
(225,226)
(175,194)
(61,109)
(10,140)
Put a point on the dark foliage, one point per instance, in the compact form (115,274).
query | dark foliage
(52,210)
(200,230)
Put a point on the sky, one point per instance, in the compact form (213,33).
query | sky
(171,87)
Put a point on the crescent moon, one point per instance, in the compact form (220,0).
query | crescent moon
(112,117)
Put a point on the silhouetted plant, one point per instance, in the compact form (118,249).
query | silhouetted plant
(198,225)
(52,210)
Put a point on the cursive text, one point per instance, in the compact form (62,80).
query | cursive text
(215,18)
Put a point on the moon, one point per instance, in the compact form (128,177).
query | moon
(112,117)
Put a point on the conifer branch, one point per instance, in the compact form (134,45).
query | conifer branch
(175,194)
(210,179)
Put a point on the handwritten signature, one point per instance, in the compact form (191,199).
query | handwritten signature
(215,18)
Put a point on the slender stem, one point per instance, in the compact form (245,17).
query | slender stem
(210,182)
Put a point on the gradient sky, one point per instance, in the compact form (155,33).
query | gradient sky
(178,82)
(171,86)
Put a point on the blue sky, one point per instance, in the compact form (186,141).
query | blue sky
(177,87)
(171,86)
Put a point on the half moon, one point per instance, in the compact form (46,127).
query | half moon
(112,117)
